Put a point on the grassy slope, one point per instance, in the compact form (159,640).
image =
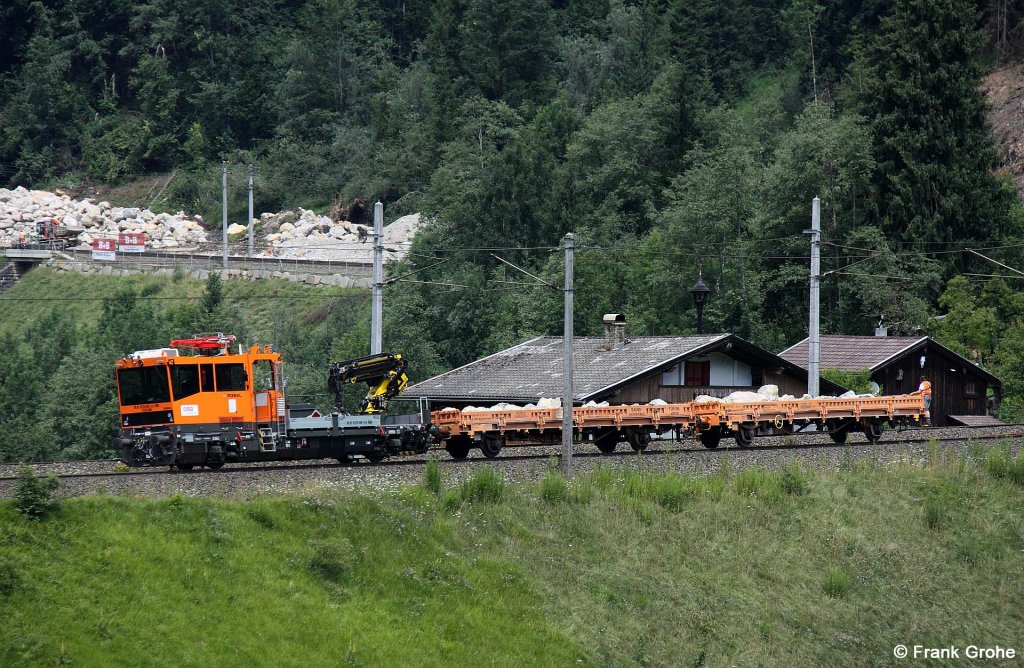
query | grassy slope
(629,570)
(81,295)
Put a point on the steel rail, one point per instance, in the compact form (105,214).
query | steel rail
(731,450)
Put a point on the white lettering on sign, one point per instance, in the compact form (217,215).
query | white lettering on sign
(189,410)
(103,249)
(131,243)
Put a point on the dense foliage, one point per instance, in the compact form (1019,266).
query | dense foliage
(671,136)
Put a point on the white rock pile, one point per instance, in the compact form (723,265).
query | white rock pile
(303,234)
(298,234)
(768,393)
(764,393)
(21,210)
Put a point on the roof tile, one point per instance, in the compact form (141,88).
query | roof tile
(852,353)
(534,369)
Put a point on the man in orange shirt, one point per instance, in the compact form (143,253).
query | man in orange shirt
(925,390)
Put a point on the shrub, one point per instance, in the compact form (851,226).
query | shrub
(8,578)
(1016,469)
(553,488)
(452,499)
(432,477)
(794,479)
(635,485)
(603,477)
(33,494)
(997,462)
(485,485)
(970,550)
(582,491)
(261,516)
(758,483)
(838,582)
(673,491)
(934,513)
(328,561)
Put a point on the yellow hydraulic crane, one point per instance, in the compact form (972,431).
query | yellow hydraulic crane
(384,374)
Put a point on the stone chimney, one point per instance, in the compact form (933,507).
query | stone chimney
(881,329)
(615,329)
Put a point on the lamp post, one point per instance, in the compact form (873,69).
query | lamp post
(700,292)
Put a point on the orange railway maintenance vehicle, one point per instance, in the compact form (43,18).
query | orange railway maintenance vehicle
(216,406)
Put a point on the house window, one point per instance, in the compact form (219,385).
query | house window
(691,373)
(673,377)
(698,374)
(970,389)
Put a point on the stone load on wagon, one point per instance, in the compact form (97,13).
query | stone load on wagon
(707,418)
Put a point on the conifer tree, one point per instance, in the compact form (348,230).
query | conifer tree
(934,180)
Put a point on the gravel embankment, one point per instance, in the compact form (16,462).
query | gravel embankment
(516,464)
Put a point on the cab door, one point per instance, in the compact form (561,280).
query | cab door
(265,380)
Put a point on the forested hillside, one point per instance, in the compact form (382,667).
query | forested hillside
(671,136)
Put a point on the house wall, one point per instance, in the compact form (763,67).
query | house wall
(723,371)
(646,389)
(787,384)
(728,372)
(951,380)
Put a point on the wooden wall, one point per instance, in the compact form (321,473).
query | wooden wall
(950,377)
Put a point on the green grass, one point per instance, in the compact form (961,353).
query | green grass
(80,296)
(612,568)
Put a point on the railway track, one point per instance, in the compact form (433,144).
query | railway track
(542,453)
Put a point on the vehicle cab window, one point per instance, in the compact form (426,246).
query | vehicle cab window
(230,377)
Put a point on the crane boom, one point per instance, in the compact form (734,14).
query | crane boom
(384,374)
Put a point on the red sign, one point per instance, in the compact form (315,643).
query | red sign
(131,243)
(103,249)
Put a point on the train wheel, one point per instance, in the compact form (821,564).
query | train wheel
(375,456)
(458,448)
(744,435)
(214,465)
(839,435)
(606,441)
(184,467)
(491,446)
(872,429)
(639,440)
(710,438)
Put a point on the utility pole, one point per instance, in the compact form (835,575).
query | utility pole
(813,335)
(224,220)
(252,169)
(376,343)
(567,426)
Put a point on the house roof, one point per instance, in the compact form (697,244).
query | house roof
(533,369)
(855,353)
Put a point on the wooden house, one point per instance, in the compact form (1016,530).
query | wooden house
(962,392)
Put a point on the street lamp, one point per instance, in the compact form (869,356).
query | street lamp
(700,292)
